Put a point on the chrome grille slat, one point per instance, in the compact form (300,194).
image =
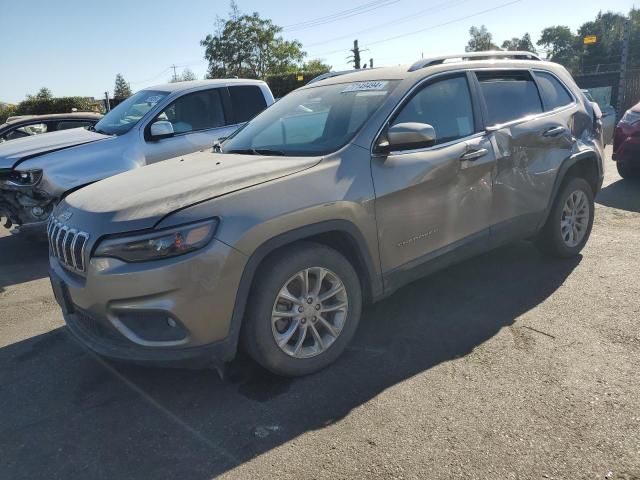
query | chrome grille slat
(67,244)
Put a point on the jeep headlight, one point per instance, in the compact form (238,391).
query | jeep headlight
(20,178)
(159,244)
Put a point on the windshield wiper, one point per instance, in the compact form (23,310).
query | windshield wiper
(256,151)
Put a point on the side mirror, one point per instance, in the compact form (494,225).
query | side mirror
(408,136)
(161,129)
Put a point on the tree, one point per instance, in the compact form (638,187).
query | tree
(186,76)
(249,46)
(6,111)
(604,55)
(562,45)
(43,94)
(122,89)
(316,65)
(481,40)
(523,44)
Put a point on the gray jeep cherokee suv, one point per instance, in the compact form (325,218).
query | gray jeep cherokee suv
(338,194)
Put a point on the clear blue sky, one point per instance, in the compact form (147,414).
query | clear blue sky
(76,47)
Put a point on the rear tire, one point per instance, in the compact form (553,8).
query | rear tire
(570,221)
(295,323)
(626,171)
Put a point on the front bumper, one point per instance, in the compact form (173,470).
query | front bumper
(173,311)
(626,143)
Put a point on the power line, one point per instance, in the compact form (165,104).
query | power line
(419,13)
(431,27)
(152,78)
(367,7)
(446,23)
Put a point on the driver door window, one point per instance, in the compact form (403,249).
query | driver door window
(445,105)
(194,112)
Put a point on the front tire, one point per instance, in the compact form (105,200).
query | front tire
(303,309)
(570,221)
(626,171)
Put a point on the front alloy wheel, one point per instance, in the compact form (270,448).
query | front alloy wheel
(303,309)
(309,312)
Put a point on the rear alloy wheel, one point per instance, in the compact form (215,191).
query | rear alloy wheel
(570,221)
(303,309)
(574,221)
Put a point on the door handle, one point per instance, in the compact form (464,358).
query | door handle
(474,154)
(553,132)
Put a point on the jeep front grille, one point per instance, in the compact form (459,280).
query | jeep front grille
(67,244)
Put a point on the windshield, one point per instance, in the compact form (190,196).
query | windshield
(311,121)
(123,117)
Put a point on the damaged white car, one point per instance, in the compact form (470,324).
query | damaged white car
(154,124)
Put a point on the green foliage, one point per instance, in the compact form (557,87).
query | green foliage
(561,44)
(481,40)
(6,111)
(42,106)
(316,65)
(523,44)
(186,76)
(283,83)
(43,94)
(249,46)
(122,89)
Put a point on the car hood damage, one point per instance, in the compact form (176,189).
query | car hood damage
(16,151)
(140,198)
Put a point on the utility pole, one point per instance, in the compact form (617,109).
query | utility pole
(623,68)
(175,75)
(107,107)
(355,58)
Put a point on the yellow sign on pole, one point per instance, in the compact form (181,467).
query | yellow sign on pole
(590,39)
(300,77)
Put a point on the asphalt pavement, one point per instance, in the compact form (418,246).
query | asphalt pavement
(507,366)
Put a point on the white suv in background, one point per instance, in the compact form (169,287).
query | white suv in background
(154,124)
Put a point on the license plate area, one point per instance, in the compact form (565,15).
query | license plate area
(61,293)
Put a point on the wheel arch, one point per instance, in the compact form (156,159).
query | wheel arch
(582,165)
(340,235)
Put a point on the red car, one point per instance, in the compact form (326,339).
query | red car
(626,143)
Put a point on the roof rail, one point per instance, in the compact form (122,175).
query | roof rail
(324,76)
(490,55)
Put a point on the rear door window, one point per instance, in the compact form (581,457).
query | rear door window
(554,94)
(445,105)
(509,96)
(247,101)
(67,124)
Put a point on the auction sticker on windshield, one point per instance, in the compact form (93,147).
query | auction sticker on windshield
(366,86)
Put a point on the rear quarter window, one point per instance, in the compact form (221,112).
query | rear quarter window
(554,94)
(246,101)
(509,96)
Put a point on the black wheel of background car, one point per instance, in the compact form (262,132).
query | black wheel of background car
(626,171)
(570,221)
(303,309)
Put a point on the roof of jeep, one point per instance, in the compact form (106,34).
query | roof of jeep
(402,72)
(179,86)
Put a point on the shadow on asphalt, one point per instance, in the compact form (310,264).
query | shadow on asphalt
(22,260)
(623,194)
(66,414)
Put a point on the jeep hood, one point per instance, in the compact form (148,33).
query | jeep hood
(16,151)
(139,198)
